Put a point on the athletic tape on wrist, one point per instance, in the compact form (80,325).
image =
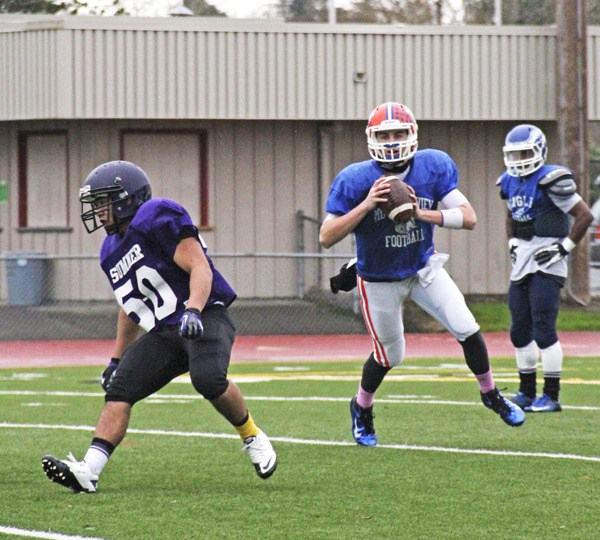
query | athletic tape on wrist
(452,218)
(568,244)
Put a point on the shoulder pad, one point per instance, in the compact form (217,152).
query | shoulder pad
(554,176)
(559,182)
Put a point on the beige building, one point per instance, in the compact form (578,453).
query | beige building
(246,122)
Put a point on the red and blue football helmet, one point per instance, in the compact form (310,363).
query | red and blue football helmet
(120,185)
(525,150)
(392,116)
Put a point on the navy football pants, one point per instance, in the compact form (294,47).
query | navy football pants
(533,307)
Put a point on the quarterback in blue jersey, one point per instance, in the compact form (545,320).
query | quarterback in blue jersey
(539,199)
(398,260)
(165,284)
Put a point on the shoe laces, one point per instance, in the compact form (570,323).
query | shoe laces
(366,417)
(498,402)
(254,446)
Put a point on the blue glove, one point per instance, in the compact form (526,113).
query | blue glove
(109,372)
(190,324)
(549,255)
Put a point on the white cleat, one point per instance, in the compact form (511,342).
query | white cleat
(261,453)
(70,473)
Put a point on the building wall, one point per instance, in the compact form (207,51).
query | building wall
(260,174)
(131,67)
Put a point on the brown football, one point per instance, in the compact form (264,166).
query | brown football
(399,206)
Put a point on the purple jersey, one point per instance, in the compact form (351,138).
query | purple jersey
(387,251)
(148,284)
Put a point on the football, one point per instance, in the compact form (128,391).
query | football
(399,205)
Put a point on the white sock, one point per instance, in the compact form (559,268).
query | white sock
(96,458)
(552,359)
(527,357)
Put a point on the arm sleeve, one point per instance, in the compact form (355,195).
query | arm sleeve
(454,199)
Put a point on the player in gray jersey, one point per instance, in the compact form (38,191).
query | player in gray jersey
(540,198)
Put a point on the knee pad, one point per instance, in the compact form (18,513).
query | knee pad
(211,387)
(545,337)
(520,336)
(390,354)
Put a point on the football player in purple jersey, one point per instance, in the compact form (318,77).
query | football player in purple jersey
(398,261)
(540,199)
(165,284)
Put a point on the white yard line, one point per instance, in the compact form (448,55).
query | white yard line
(181,398)
(13,531)
(419,448)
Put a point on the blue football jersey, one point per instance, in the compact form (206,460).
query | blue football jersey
(387,251)
(525,198)
(147,283)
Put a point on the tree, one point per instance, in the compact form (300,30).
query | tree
(526,12)
(201,8)
(402,12)
(65,7)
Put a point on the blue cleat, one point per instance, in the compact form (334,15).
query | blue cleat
(508,411)
(544,404)
(521,400)
(362,424)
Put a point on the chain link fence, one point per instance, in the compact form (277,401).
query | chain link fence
(47,297)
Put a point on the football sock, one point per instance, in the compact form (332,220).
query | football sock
(247,428)
(527,357)
(476,354)
(98,453)
(372,375)
(552,359)
(486,382)
(528,383)
(552,387)
(364,399)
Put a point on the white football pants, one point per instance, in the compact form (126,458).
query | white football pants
(381,304)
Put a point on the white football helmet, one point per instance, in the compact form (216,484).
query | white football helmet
(392,116)
(525,150)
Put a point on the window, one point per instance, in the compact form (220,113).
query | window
(176,164)
(43,180)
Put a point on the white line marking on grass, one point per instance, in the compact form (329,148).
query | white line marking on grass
(41,534)
(184,398)
(479,451)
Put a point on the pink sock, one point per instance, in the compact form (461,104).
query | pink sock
(364,399)
(486,381)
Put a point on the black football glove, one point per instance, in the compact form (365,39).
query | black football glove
(190,324)
(346,279)
(109,372)
(513,244)
(549,255)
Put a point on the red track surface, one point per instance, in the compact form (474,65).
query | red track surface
(15,354)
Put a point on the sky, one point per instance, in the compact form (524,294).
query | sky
(233,8)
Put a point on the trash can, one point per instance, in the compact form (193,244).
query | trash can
(26,275)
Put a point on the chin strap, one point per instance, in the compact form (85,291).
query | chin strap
(393,167)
